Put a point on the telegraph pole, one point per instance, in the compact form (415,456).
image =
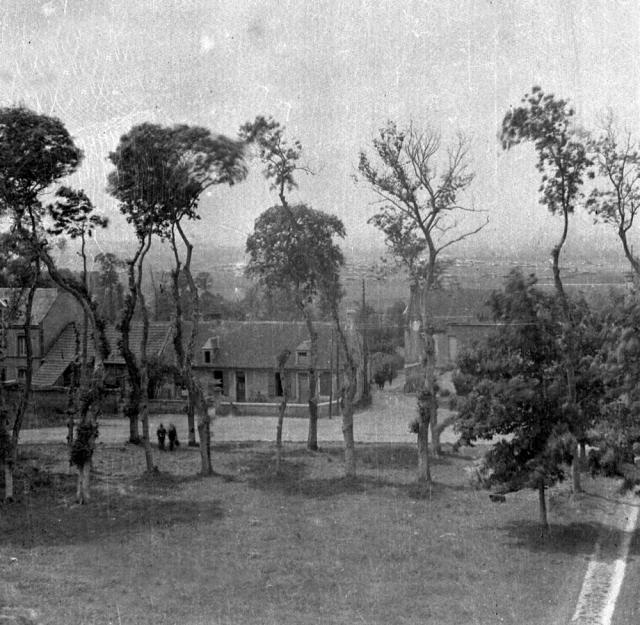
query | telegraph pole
(365,350)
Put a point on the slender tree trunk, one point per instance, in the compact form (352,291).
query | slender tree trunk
(542,506)
(11,458)
(204,432)
(132,406)
(87,429)
(569,355)
(282,408)
(83,490)
(424,469)
(427,408)
(282,361)
(348,393)
(196,394)
(8,481)
(191,423)
(178,345)
(144,363)
(312,438)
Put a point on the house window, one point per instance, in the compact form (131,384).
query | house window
(218,380)
(207,357)
(3,375)
(302,358)
(22,375)
(22,345)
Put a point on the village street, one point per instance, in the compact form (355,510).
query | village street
(386,421)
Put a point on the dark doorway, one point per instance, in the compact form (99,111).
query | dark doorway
(240,386)
(279,390)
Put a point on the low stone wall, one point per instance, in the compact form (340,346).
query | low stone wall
(263,409)
(167,406)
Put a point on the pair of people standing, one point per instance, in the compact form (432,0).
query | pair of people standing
(162,434)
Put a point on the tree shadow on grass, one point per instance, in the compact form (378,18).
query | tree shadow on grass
(46,515)
(572,538)
(381,456)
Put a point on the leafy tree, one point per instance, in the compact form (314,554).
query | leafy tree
(563,162)
(517,391)
(420,219)
(179,164)
(270,305)
(616,199)
(110,293)
(36,151)
(352,348)
(133,164)
(73,216)
(283,356)
(291,248)
(617,431)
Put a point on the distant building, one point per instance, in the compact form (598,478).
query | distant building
(460,317)
(52,311)
(239,358)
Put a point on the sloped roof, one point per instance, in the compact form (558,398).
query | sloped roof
(159,337)
(63,350)
(58,358)
(459,305)
(43,299)
(257,344)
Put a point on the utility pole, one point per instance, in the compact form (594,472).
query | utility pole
(365,350)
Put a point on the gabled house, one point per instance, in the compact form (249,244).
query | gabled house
(459,317)
(52,312)
(56,369)
(239,360)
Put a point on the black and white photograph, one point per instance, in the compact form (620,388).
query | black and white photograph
(319,313)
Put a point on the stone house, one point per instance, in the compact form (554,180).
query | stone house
(239,359)
(52,312)
(460,317)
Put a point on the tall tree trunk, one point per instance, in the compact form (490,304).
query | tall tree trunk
(312,437)
(348,396)
(196,394)
(87,430)
(282,408)
(8,480)
(178,345)
(144,365)
(348,392)
(542,506)
(11,457)
(204,432)
(132,406)
(83,485)
(427,408)
(569,355)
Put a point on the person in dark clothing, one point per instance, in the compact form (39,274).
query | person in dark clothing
(173,437)
(162,434)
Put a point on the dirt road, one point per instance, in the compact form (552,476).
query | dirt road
(386,421)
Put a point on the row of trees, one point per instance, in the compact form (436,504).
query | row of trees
(159,176)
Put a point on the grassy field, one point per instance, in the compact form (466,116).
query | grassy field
(247,547)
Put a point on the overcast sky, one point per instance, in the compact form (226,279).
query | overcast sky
(333,72)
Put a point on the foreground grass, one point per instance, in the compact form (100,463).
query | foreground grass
(247,546)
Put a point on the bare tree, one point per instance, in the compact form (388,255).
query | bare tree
(420,183)
(616,199)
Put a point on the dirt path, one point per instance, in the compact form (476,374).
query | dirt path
(605,573)
(386,421)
